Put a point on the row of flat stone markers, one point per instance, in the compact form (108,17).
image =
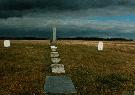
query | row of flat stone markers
(100,46)
(60,84)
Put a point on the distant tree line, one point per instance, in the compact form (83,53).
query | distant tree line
(77,38)
(22,38)
(96,39)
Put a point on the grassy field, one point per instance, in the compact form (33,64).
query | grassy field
(25,65)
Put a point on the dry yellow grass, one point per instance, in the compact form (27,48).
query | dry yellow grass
(99,73)
(24,66)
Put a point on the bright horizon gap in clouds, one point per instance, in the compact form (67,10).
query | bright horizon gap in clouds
(125,25)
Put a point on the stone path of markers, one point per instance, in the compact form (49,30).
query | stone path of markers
(60,84)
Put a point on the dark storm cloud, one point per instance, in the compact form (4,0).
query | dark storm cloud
(18,8)
(100,15)
(60,4)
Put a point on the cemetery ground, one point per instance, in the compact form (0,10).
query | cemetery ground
(25,65)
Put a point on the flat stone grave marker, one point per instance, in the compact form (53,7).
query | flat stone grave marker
(58,68)
(128,93)
(6,43)
(54,54)
(54,50)
(59,85)
(100,46)
(55,60)
(53,47)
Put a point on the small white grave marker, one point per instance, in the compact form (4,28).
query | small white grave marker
(53,50)
(55,60)
(6,43)
(100,46)
(53,47)
(58,68)
(54,54)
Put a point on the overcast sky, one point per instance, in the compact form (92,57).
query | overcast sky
(61,4)
(81,14)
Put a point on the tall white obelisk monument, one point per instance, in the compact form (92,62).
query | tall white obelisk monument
(54,37)
(54,34)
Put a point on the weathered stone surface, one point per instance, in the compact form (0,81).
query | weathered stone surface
(53,50)
(58,68)
(55,60)
(53,47)
(54,54)
(59,85)
(128,93)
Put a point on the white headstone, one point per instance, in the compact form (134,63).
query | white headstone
(100,46)
(58,68)
(6,43)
